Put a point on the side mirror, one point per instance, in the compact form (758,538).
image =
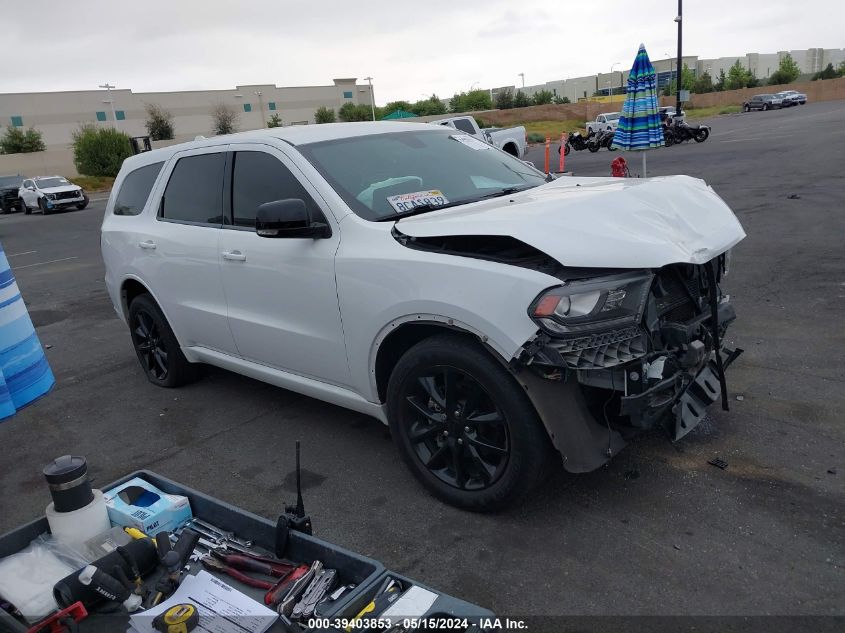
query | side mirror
(288,218)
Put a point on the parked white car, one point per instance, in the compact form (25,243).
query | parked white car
(50,193)
(510,139)
(605,121)
(496,318)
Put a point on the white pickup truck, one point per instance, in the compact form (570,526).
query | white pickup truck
(509,139)
(604,121)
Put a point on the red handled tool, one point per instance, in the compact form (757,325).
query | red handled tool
(280,589)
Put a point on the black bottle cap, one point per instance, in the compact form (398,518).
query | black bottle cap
(65,469)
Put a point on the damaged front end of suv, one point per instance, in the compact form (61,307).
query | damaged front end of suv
(629,351)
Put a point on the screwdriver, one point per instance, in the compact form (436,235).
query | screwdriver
(389,591)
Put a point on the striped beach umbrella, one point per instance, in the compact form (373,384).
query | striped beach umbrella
(24,372)
(639,126)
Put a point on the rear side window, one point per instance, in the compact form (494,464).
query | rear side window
(195,190)
(258,178)
(136,189)
(464,126)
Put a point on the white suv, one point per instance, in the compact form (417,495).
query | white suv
(493,316)
(51,193)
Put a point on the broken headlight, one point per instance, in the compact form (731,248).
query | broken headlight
(594,304)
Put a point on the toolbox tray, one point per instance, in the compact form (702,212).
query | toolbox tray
(444,606)
(352,568)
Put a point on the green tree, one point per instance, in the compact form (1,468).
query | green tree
(428,107)
(828,73)
(100,151)
(737,77)
(159,122)
(275,120)
(841,70)
(504,99)
(324,115)
(471,101)
(703,84)
(224,119)
(542,97)
(393,106)
(16,141)
(720,83)
(687,82)
(751,80)
(561,100)
(521,100)
(351,112)
(787,71)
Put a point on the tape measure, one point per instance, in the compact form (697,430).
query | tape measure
(180,618)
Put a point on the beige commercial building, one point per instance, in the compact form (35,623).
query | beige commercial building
(57,114)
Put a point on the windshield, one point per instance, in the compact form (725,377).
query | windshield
(7,181)
(384,176)
(46,183)
(613,116)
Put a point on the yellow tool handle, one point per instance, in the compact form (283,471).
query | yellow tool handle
(136,533)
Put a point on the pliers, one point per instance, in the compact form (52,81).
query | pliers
(235,564)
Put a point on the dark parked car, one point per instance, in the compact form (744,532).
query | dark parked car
(762,102)
(9,200)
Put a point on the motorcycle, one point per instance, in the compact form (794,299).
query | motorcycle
(682,131)
(602,139)
(576,141)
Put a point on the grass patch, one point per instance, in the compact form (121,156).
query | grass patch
(701,113)
(93,184)
(541,129)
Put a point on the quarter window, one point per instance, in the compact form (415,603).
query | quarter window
(195,190)
(258,178)
(136,189)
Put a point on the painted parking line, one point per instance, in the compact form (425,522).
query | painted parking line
(24,253)
(52,261)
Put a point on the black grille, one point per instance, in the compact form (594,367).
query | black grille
(602,350)
(9,195)
(672,291)
(67,195)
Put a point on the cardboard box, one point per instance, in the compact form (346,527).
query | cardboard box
(139,504)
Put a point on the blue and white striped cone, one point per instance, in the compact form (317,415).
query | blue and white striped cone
(25,374)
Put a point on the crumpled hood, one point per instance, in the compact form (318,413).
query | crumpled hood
(61,189)
(600,222)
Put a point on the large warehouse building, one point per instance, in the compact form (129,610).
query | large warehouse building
(57,114)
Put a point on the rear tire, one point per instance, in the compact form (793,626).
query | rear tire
(464,426)
(746,109)
(156,346)
(765,107)
(25,208)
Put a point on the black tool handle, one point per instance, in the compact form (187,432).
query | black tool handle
(186,544)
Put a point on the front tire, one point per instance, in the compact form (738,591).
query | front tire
(156,346)
(43,206)
(701,135)
(464,426)
(83,204)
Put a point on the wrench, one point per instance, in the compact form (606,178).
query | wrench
(223,534)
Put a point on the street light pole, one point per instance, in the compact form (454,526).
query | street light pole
(260,108)
(110,101)
(372,97)
(523,78)
(611,79)
(679,65)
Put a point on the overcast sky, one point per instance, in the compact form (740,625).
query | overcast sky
(410,48)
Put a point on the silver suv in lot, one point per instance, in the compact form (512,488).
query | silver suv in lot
(497,319)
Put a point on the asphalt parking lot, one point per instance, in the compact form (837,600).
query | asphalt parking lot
(656,532)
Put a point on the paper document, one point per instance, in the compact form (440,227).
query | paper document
(414,603)
(222,608)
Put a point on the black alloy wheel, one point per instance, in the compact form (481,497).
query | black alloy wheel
(43,206)
(156,346)
(464,426)
(151,348)
(455,428)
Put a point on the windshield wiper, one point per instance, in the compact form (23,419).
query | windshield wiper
(425,208)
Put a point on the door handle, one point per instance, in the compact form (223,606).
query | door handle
(148,244)
(235,256)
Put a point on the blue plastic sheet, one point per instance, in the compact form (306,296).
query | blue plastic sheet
(25,374)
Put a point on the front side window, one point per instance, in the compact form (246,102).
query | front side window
(195,190)
(368,172)
(136,189)
(258,178)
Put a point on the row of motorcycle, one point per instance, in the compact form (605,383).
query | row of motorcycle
(673,134)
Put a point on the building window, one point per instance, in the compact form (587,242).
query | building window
(247,107)
(347,94)
(101,116)
(120,115)
(272,105)
(17,121)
